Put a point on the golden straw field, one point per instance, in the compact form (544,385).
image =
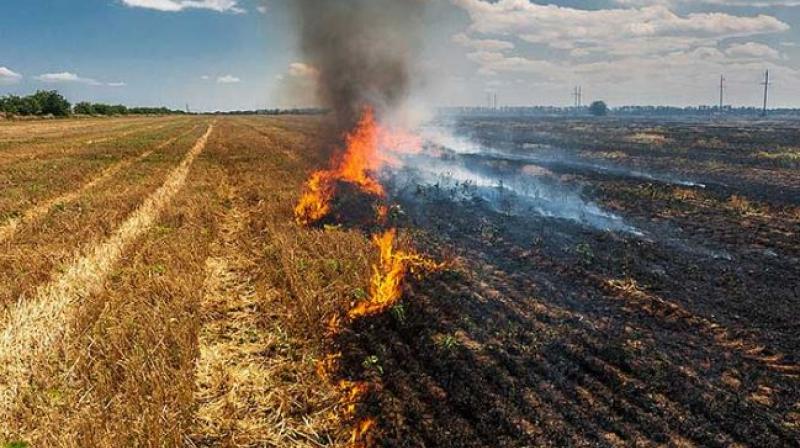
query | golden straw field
(155,289)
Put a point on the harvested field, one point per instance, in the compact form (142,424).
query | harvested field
(156,288)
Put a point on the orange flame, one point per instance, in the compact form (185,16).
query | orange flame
(386,286)
(359,158)
(361,434)
(326,366)
(368,147)
(353,393)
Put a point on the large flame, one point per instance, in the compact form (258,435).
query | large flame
(368,147)
(360,157)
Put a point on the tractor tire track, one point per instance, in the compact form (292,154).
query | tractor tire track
(227,371)
(33,328)
(8,229)
(244,368)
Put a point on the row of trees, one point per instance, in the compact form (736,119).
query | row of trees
(296,111)
(40,103)
(52,103)
(84,108)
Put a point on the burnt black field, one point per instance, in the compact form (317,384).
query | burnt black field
(671,321)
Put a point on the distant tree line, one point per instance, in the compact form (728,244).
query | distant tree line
(51,103)
(296,111)
(84,108)
(40,103)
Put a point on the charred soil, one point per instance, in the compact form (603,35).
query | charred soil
(546,332)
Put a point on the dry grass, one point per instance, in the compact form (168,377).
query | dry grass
(742,205)
(126,374)
(293,279)
(29,182)
(648,138)
(46,129)
(685,194)
(45,247)
(233,376)
(789,157)
(41,209)
(24,148)
(34,327)
(203,327)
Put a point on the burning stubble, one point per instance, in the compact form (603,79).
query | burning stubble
(364,52)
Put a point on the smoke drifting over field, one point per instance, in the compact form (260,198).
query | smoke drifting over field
(459,169)
(364,51)
(364,54)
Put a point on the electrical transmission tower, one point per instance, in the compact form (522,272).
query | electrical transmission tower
(766,85)
(578,94)
(721,93)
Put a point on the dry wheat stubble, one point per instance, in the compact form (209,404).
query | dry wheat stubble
(32,328)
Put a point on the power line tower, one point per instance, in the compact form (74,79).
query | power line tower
(721,93)
(495,101)
(578,96)
(766,85)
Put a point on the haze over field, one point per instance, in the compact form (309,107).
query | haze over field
(244,54)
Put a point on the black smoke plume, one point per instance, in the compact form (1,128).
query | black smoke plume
(364,51)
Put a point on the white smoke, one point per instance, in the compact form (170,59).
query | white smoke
(517,190)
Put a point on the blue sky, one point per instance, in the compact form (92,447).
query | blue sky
(231,54)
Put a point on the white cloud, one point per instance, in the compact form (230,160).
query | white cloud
(116,84)
(733,3)
(297,87)
(205,77)
(302,70)
(262,8)
(482,44)
(67,77)
(492,63)
(8,76)
(182,5)
(687,77)
(621,31)
(753,50)
(228,79)
(621,51)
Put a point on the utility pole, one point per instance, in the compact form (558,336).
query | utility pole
(721,92)
(578,95)
(766,92)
